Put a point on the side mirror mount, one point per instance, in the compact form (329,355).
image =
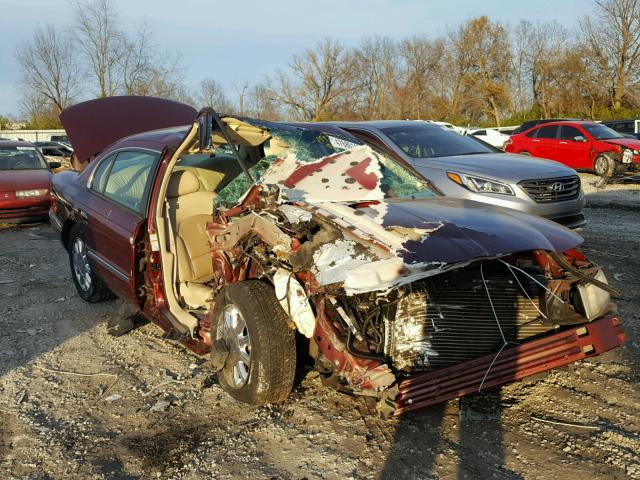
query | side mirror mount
(579,138)
(205,129)
(54,165)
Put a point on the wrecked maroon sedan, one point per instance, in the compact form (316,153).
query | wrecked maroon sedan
(236,236)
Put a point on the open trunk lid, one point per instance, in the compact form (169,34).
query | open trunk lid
(93,125)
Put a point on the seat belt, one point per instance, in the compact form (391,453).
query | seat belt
(174,250)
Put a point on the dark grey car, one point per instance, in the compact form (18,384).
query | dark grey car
(464,167)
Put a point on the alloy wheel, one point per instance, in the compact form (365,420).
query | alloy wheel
(81,268)
(236,335)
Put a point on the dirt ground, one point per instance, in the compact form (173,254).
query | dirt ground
(77,403)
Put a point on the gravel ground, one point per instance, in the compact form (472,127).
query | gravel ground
(76,402)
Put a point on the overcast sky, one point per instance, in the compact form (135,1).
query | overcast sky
(243,41)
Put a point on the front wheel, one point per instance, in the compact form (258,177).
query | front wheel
(89,286)
(604,166)
(261,363)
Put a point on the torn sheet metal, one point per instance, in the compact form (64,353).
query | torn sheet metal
(333,261)
(294,301)
(294,214)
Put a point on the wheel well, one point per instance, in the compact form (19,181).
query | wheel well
(66,229)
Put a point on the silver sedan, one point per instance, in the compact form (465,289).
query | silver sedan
(464,167)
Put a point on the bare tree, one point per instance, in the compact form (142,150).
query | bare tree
(262,104)
(481,50)
(613,35)
(377,67)
(211,94)
(422,58)
(317,80)
(49,71)
(101,41)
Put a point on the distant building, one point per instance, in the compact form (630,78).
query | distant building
(30,135)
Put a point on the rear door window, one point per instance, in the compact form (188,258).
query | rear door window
(548,132)
(101,174)
(128,178)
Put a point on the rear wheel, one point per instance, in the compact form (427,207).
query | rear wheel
(261,363)
(90,287)
(604,166)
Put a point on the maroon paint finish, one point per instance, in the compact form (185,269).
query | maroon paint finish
(512,364)
(578,155)
(95,124)
(13,208)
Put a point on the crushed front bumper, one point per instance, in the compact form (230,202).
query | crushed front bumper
(511,364)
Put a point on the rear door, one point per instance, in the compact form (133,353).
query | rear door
(115,214)
(547,143)
(574,154)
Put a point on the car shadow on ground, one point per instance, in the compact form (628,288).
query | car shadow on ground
(461,439)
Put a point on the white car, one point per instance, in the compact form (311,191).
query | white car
(449,126)
(491,136)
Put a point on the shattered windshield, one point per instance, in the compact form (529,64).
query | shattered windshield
(21,158)
(310,165)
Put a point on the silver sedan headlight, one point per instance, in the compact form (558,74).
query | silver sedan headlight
(479,184)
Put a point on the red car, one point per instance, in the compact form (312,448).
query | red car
(264,244)
(24,182)
(581,145)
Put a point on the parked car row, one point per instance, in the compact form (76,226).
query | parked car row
(264,243)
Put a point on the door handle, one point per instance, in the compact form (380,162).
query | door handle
(563,143)
(536,140)
(83,215)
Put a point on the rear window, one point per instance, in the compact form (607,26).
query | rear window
(425,141)
(549,131)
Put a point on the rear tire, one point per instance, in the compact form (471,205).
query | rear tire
(261,364)
(90,287)
(604,166)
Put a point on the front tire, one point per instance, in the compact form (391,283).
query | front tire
(604,166)
(89,286)
(261,364)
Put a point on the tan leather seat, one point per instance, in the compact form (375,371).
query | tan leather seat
(189,210)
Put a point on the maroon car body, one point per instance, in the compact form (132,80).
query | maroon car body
(392,286)
(24,183)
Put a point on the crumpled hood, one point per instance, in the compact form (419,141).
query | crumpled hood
(447,230)
(499,166)
(632,143)
(12,180)
(470,229)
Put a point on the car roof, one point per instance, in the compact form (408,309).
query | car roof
(15,143)
(381,124)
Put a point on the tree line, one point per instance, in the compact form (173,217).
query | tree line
(482,72)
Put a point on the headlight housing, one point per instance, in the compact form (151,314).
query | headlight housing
(32,193)
(479,184)
(627,155)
